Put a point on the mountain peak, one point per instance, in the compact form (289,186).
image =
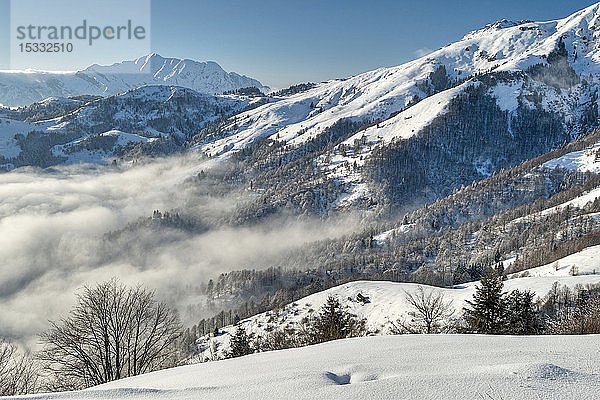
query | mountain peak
(586,18)
(496,26)
(104,80)
(506,23)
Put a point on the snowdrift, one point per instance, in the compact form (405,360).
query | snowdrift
(393,367)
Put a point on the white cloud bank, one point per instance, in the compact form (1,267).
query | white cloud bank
(52,227)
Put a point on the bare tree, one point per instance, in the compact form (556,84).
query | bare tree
(429,310)
(112,332)
(18,374)
(583,319)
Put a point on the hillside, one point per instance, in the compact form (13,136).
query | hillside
(393,138)
(430,230)
(415,367)
(413,133)
(521,218)
(158,118)
(385,307)
(584,262)
(479,156)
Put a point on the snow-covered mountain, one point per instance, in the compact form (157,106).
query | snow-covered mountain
(404,135)
(534,215)
(502,94)
(94,129)
(20,88)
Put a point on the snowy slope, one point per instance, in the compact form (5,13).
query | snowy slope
(394,367)
(505,47)
(587,160)
(579,202)
(74,152)
(139,115)
(387,304)
(581,161)
(26,87)
(8,129)
(585,262)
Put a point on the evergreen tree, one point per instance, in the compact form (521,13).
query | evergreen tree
(522,316)
(333,322)
(488,309)
(240,343)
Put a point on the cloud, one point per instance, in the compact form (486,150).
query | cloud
(53,226)
(422,52)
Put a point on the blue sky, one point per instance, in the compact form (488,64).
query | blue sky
(281,42)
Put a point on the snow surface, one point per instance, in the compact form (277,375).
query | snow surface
(9,147)
(507,95)
(583,161)
(393,367)
(578,202)
(387,304)
(96,156)
(382,237)
(585,262)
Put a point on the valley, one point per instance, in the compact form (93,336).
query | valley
(467,178)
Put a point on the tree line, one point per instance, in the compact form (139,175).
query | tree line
(492,310)
(116,331)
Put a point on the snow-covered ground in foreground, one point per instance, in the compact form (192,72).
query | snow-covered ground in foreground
(386,367)
(387,304)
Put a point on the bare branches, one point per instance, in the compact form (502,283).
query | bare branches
(17,373)
(113,332)
(430,310)
(582,319)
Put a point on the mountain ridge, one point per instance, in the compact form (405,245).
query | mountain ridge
(21,88)
(523,86)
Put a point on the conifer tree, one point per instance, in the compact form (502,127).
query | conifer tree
(240,343)
(522,316)
(488,309)
(333,322)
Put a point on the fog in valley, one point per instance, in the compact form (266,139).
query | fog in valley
(55,226)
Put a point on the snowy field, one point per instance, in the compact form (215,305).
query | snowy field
(386,367)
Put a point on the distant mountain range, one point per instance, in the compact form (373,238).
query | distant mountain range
(27,87)
(92,129)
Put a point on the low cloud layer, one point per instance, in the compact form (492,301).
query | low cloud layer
(52,227)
